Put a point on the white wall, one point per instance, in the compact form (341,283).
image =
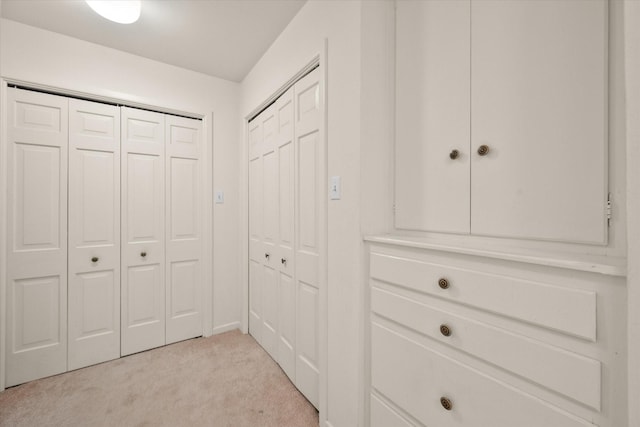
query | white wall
(46,58)
(339,23)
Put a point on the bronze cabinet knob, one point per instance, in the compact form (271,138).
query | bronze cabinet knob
(445,330)
(94,259)
(283,261)
(143,254)
(454,154)
(443,283)
(446,403)
(483,150)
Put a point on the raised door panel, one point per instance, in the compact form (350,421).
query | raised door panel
(184,236)
(143,231)
(270,311)
(94,233)
(37,134)
(309,195)
(432,115)
(539,101)
(287,325)
(255,299)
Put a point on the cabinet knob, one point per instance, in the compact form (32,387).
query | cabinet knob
(443,283)
(143,254)
(483,150)
(283,261)
(94,259)
(266,256)
(454,154)
(445,330)
(446,403)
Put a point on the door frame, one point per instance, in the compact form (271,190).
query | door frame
(206,177)
(318,60)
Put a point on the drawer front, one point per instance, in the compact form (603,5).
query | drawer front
(383,416)
(416,378)
(568,373)
(571,311)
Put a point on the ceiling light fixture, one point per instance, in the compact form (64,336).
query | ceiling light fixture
(120,11)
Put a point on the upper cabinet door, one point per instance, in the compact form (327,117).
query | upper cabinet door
(432,115)
(539,102)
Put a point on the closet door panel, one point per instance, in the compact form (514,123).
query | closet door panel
(94,233)
(307,252)
(184,240)
(37,133)
(286,229)
(256,249)
(432,115)
(539,101)
(143,231)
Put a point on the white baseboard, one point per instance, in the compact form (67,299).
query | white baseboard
(328,424)
(225,328)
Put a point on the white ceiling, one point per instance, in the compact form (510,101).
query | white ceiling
(222,38)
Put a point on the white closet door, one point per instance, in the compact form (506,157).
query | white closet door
(309,231)
(270,213)
(183,229)
(256,250)
(433,74)
(143,229)
(539,101)
(94,233)
(285,239)
(37,134)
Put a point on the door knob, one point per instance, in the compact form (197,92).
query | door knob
(445,330)
(443,283)
(454,154)
(283,261)
(266,256)
(446,403)
(483,150)
(94,259)
(143,254)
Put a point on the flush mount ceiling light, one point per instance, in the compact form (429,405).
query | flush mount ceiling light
(120,11)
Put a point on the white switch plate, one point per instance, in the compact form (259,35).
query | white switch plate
(335,190)
(219,197)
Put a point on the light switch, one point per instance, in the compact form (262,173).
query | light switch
(334,191)
(219,197)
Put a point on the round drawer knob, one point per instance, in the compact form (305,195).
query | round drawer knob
(446,403)
(94,259)
(445,330)
(143,254)
(483,150)
(443,283)
(454,154)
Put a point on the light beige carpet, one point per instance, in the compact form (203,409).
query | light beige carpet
(226,380)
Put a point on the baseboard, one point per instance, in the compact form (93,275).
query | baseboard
(328,424)
(225,328)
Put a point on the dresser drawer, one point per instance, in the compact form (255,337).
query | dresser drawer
(568,373)
(567,310)
(417,378)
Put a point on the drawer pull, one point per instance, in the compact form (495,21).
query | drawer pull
(445,330)
(443,283)
(446,403)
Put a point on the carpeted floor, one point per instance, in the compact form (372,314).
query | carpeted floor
(226,380)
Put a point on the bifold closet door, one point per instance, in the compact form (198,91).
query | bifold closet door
(309,231)
(94,233)
(256,250)
(143,230)
(183,229)
(37,134)
(285,241)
